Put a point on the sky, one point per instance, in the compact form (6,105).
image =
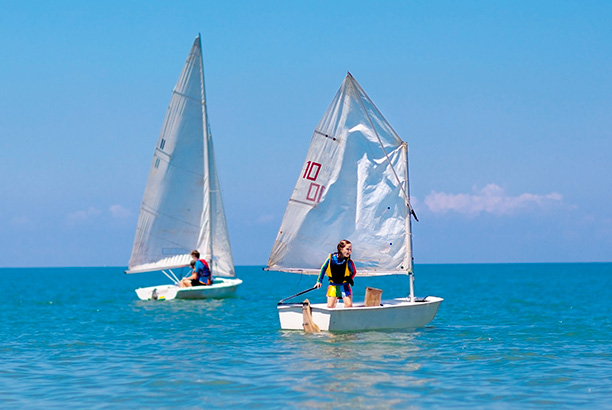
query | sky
(506,107)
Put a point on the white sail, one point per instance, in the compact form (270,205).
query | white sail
(182,208)
(353,185)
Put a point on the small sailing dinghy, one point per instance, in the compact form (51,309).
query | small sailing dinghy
(182,208)
(353,185)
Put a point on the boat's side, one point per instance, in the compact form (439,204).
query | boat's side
(392,314)
(221,287)
(161,292)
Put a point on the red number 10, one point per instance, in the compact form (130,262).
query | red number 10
(315,191)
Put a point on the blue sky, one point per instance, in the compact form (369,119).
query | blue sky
(506,107)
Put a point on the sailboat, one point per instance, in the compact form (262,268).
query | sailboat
(182,208)
(353,185)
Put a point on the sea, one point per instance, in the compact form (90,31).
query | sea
(506,336)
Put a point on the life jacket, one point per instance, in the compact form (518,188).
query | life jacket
(338,273)
(205,276)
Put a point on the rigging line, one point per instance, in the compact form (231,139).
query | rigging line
(189,98)
(175,279)
(168,159)
(406,196)
(148,208)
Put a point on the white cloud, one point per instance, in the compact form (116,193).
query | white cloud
(21,222)
(491,199)
(82,216)
(118,211)
(264,219)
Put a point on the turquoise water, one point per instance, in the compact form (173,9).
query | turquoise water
(526,335)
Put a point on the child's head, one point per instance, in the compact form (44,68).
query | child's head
(345,248)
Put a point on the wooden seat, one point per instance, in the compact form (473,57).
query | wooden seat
(372,296)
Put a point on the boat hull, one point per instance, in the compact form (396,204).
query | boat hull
(221,288)
(391,314)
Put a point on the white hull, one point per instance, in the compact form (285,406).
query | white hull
(392,314)
(221,287)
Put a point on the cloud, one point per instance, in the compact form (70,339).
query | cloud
(86,215)
(83,216)
(264,219)
(491,199)
(21,222)
(118,211)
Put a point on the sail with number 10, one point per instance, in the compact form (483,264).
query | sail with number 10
(353,185)
(182,209)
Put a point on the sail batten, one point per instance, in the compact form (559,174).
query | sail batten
(353,185)
(182,208)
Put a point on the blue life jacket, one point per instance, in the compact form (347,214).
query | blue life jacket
(203,271)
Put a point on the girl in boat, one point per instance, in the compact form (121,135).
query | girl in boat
(340,270)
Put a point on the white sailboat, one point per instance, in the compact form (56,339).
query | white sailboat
(182,208)
(353,185)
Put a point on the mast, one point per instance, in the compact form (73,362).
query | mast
(207,163)
(409,226)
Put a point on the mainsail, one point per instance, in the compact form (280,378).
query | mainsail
(353,185)
(182,208)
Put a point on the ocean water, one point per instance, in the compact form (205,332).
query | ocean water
(506,336)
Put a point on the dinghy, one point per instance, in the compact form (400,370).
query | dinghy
(353,185)
(182,208)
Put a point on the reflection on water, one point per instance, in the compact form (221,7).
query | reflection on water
(178,305)
(354,366)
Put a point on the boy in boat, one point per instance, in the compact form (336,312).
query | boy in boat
(201,275)
(340,270)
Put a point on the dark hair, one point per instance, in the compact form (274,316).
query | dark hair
(195,253)
(192,264)
(342,244)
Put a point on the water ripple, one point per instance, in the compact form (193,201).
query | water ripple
(514,339)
